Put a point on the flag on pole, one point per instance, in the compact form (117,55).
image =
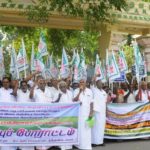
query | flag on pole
(138,60)
(2,68)
(22,63)
(39,64)
(82,67)
(13,64)
(42,47)
(32,59)
(53,68)
(122,62)
(64,71)
(113,69)
(73,58)
(47,67)
(76,68)
(98,69)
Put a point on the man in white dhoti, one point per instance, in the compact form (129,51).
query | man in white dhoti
(41,94)
(85,96)
(65,96)
(22,96)
(7,95)
(99,106)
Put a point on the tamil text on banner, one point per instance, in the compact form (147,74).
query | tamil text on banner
(128,121)
(31,124)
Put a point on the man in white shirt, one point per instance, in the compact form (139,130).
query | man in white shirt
(7,95)
(42,94)
(100,99)
(54,89)
(22,95)
(85,96)
(142,94)
(65,96)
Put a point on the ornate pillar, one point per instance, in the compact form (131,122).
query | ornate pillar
(144,42)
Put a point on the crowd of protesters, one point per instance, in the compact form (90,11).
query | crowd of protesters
(93,96)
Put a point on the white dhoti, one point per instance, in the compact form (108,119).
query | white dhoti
(84,134)
(99,128)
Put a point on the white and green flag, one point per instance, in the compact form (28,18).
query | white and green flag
(54,71)
(42,47)
(13,64)
(2,68)
(138,60)
(76,68)
(39,64)
(73,58)
(98,69)
(113,69)
(82,67)
(122,62)
(32,59)
(22,63)
(64,71)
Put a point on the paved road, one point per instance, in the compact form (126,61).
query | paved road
(126,145)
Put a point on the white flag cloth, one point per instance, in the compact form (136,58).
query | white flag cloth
(32,59)
(76,68)
(39,64)
(53,68)
(42,47)
(64,71)
(98,69)
(113,69)
(138,60)
(2,68)
(13,64)
(122,62)
(82,67)
(22,63)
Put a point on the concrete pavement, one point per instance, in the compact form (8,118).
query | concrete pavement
(126,145)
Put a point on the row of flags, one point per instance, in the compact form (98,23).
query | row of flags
(111,69)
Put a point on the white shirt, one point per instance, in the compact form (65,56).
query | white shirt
(66,97)
(42,97)
(23,96)
(55,93)
(145,95)
(6,96)
(86,98)
(100,99)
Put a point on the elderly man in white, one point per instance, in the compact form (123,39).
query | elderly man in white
(41,94)
(7,95)
(65,96)
(85,96)
(22,96)
(100,99)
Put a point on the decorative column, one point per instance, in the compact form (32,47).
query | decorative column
(144,42)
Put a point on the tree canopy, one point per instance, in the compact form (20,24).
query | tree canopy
(91,11)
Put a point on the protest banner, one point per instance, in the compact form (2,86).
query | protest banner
(30,124)
(128,121)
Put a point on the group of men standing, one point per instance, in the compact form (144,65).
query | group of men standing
(92,100)
(92,103)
